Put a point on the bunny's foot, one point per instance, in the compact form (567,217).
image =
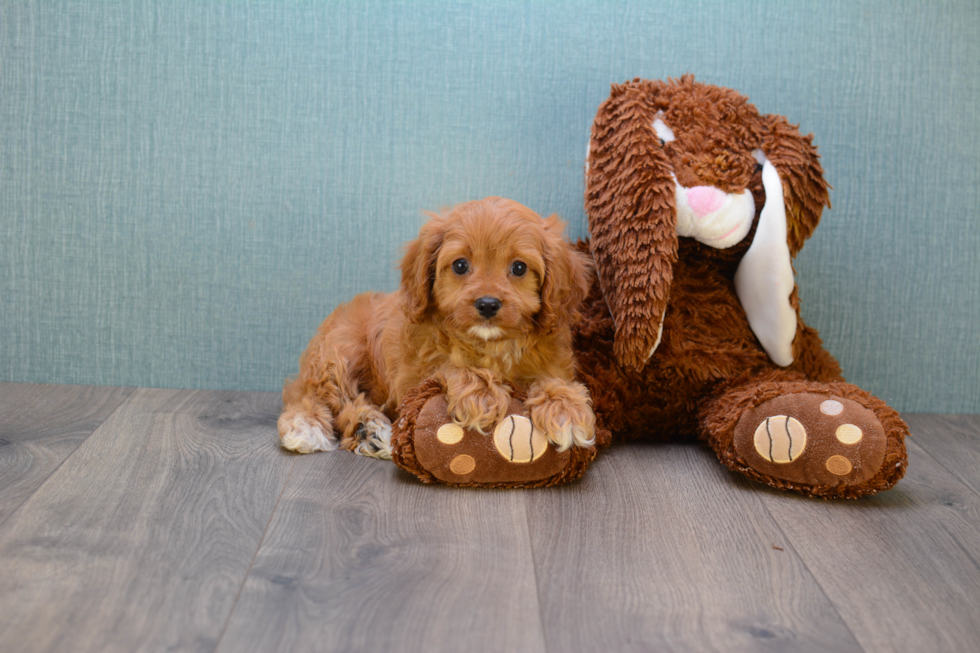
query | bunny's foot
(828,440)
(513,453)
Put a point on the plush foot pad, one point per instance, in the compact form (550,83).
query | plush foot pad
(812,439)
(514,454)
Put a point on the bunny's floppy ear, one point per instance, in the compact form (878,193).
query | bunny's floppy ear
(795,196)
(632,218)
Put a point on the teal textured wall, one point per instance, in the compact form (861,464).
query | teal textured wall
(188,188)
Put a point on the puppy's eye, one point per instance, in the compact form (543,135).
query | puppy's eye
(518,268)
(461,266)
(758,167)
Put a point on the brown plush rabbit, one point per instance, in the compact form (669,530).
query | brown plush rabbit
(696,206)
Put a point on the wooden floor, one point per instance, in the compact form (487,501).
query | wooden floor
(163,520)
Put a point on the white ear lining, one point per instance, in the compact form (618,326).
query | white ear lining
(664,133)
(660,335)
(764,280)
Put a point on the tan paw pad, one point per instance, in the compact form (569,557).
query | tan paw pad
(839,466)
(462,465)
(780,439)
(449,434)
(849,433)
(517,440)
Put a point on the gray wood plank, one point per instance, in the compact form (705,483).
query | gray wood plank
(40,426)
(362,557)
(142,538)
(953,441)
(902,567)
(660,548)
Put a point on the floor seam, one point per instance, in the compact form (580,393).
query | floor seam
(910,443)
(251,564)
(534,570)
(54,471)
(816,580)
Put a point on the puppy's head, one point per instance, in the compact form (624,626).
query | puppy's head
(493,269)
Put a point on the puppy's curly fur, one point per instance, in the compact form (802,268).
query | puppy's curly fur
(489,291)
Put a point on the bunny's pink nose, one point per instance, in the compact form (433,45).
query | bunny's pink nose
(704,200)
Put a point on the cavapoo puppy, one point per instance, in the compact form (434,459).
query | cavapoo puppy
(488,293)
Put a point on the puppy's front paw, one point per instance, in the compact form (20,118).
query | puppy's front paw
(563,412)
(479,410)
(374,438)
(476,401)
(304,433)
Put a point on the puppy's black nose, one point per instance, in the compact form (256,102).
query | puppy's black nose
(487,306)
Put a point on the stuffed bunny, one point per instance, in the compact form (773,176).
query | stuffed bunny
(697,205)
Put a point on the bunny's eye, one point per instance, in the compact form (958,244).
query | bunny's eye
(461,266)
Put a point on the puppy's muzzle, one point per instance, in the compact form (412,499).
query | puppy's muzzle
(487,306)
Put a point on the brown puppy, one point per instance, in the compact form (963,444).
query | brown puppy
(488,294)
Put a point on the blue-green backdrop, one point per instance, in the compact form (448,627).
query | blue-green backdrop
(188,188)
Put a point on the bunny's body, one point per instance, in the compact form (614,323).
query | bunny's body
(706,342)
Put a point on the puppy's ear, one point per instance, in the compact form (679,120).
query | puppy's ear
(630,201)
(795,196)
(418,267)
(567,277)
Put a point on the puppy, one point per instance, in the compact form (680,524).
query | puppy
(488,293)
